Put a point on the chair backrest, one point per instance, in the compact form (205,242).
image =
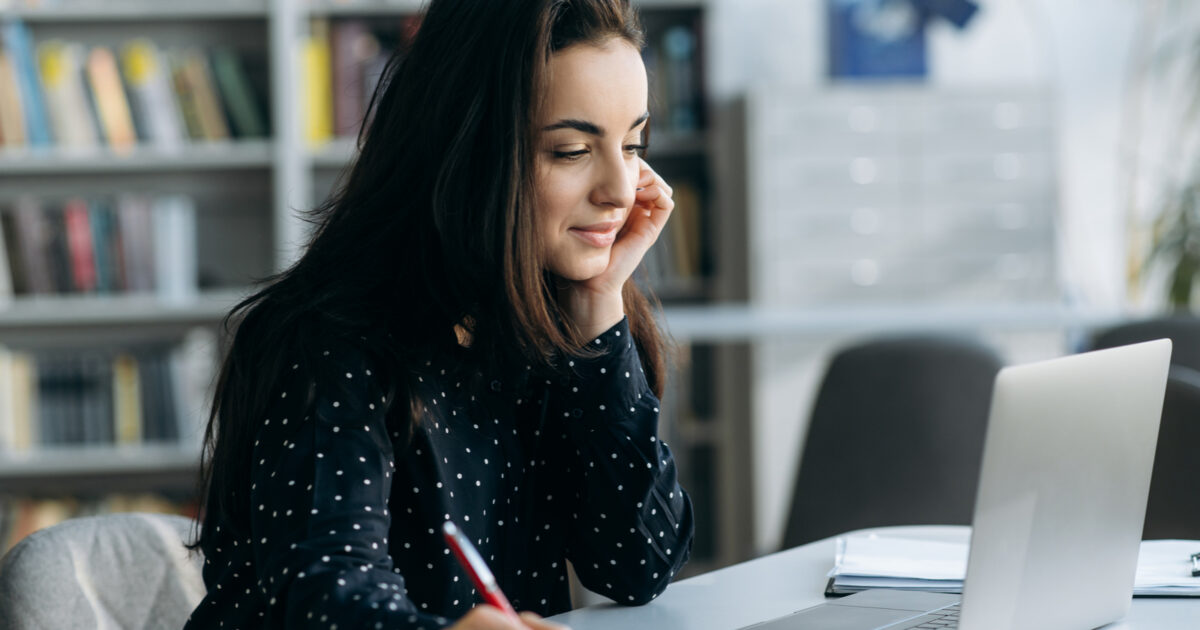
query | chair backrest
(895,438)
(111,572)
(1182,330)
(1173,509)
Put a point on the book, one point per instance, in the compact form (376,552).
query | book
(33,232)
(134,219)
(151,98)
(6,269)
(684,230)
(105,246)
(108,95)
(24,405)
(58,251)
(198,74)
(127,407)
(79,243)
(185,96)
(12,117)
(174,237)
(61,69)
(8,408)
(13,252)
(237,94)
(19,45)
(318,77)
(351,45)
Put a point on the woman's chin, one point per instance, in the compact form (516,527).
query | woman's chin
(582,270)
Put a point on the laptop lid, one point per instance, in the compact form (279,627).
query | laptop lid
(1062,491)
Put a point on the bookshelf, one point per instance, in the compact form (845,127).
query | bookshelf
(245,191)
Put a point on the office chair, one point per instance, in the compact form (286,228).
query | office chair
(114,571)
(1173,509)
(895,438)
(1183,330)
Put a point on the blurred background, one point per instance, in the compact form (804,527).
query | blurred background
(1021,173)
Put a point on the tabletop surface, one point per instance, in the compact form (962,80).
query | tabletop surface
(782,583)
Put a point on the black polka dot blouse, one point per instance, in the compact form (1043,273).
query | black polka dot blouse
(347,515)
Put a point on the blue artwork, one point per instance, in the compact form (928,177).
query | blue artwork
(886,38)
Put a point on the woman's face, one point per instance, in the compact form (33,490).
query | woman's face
(589,138)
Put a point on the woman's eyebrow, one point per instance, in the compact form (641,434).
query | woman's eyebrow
(589,127)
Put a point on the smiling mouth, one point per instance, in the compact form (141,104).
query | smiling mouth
(598,235)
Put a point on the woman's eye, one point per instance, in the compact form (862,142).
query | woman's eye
(570,156)
(635,149)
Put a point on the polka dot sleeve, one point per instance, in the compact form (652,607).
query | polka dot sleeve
(631,525)
(320,480)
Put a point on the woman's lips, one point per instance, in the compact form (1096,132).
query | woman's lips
(597,235)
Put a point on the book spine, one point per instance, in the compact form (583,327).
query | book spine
(237,94)
(20,46)
(109,97)
(12,116)
(25,410)
(134,217)
(8,407)
(146,73)
(174,229)
(34,238)
(103,251)
(58,250)
(349,44)
(318,93)
(127,408)
(185,94)
(59,66)
(14,249)
(79,240)
(7,269)
(208,105)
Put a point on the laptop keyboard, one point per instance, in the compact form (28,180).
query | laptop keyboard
(942,619)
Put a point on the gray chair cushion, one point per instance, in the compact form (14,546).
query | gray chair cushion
(117,571)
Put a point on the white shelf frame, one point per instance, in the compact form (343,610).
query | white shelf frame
(48,462)
(86,311)
(234,155)
(96,11)
(735,323)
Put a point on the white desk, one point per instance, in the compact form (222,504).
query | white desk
(782,583)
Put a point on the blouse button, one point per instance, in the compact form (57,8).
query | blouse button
(578,413)
(495,386)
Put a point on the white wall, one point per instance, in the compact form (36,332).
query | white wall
(1079,47)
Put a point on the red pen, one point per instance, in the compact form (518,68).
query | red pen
(480,574)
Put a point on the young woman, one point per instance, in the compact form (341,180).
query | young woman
(460,341)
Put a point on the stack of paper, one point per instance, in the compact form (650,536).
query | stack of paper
(871,561)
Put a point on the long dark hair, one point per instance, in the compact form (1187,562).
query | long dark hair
(431,228)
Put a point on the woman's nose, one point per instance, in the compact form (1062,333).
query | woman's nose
(615,183)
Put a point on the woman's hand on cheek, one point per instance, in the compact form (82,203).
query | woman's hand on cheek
(595,304)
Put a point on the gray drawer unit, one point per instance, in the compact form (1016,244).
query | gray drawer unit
(888,193)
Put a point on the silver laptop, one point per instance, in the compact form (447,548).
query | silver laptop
(1059,511)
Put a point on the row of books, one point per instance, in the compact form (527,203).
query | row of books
(674,65)
(128,244)
(677,258)
(65,94)
(21,516)
(343,60)
(151,393)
